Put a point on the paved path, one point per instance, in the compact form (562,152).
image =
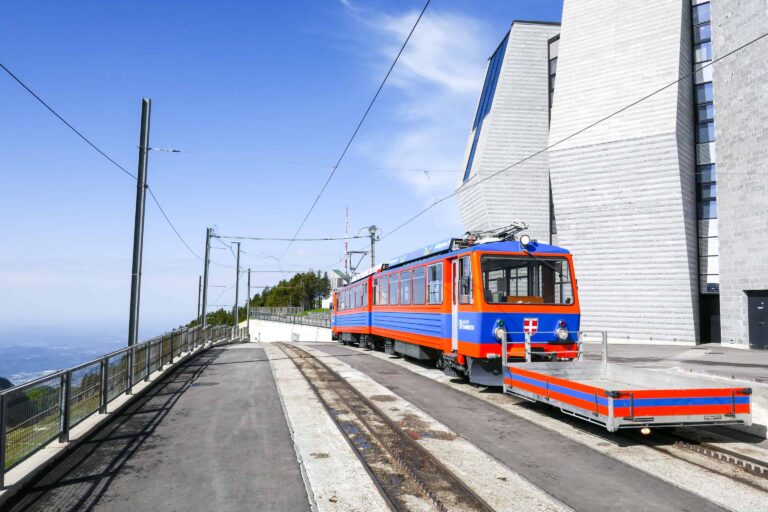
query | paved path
(578,476)
(210,436)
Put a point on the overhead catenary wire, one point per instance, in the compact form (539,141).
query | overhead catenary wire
(102,153)
(75,130)
(271,239)
(471,184)
(357,128)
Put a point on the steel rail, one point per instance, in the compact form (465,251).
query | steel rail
(435,483)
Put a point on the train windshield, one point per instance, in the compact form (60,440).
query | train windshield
(526,280)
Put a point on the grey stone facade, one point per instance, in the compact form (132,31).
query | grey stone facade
(741,106)
(516,126)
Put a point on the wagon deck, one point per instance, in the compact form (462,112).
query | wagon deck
(619,396)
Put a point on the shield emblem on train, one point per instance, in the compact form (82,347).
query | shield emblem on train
(530,325)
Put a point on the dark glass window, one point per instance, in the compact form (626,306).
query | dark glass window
(704,93)
(553,66)
(405,287)
(702,33)
(486,99)
(393,289)
(419,285)
(702,52)
(708,209)
(705,132)
(706,173)
(701,13)
(435,283)
(707,191)
(705,112)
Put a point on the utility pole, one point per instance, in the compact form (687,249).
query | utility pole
(206,263)
(372,231)
(138,228)
(248,303)
(199,295)
(346,240)
(237,288)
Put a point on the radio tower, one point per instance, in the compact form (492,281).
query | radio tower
(346,240)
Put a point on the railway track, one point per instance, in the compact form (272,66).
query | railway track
(408,476)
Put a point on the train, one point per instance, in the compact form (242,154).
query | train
(451,304)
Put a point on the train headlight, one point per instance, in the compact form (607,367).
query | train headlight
(525,240)
(499,332)
(561,333)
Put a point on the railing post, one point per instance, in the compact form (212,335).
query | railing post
(131,356)
(3,416)
(162,350)
(147,360)
(173,335)
(104,374)
(65,390)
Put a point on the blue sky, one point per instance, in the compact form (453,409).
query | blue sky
(261,98)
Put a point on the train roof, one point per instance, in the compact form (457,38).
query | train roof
(457,245)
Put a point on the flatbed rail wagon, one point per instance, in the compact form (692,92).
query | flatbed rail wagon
(618,396)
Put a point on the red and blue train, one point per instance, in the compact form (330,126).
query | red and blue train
(453,301)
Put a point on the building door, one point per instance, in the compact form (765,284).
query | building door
(455,305)
(757,302)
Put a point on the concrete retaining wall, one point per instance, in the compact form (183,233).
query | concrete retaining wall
(269,332)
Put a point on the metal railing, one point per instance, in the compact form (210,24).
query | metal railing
(529,353)
(282,310)
(314,320)
(37,412)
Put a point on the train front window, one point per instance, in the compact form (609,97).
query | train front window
(526,280)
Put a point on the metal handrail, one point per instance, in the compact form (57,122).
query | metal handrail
(60,393)
(579,350)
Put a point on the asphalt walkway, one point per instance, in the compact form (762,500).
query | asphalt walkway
(210,436)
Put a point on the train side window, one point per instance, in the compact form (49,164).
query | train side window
(384,291)
(419,285)
(465,280)
(375,295)
(364,294)
(393,289)
(342,302)
(435,283)
(405,287)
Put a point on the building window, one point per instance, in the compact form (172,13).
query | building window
(708,209)
(701,13)
(435,283)
(704,93)
(706,173)
(465,280)
(393,289)
(702,52)
(419,285)
(705,132)
(705,112)
(486,99)
(702,33)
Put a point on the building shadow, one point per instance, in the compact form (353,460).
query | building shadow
(79,480)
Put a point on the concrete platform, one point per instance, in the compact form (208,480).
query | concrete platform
(211,436)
